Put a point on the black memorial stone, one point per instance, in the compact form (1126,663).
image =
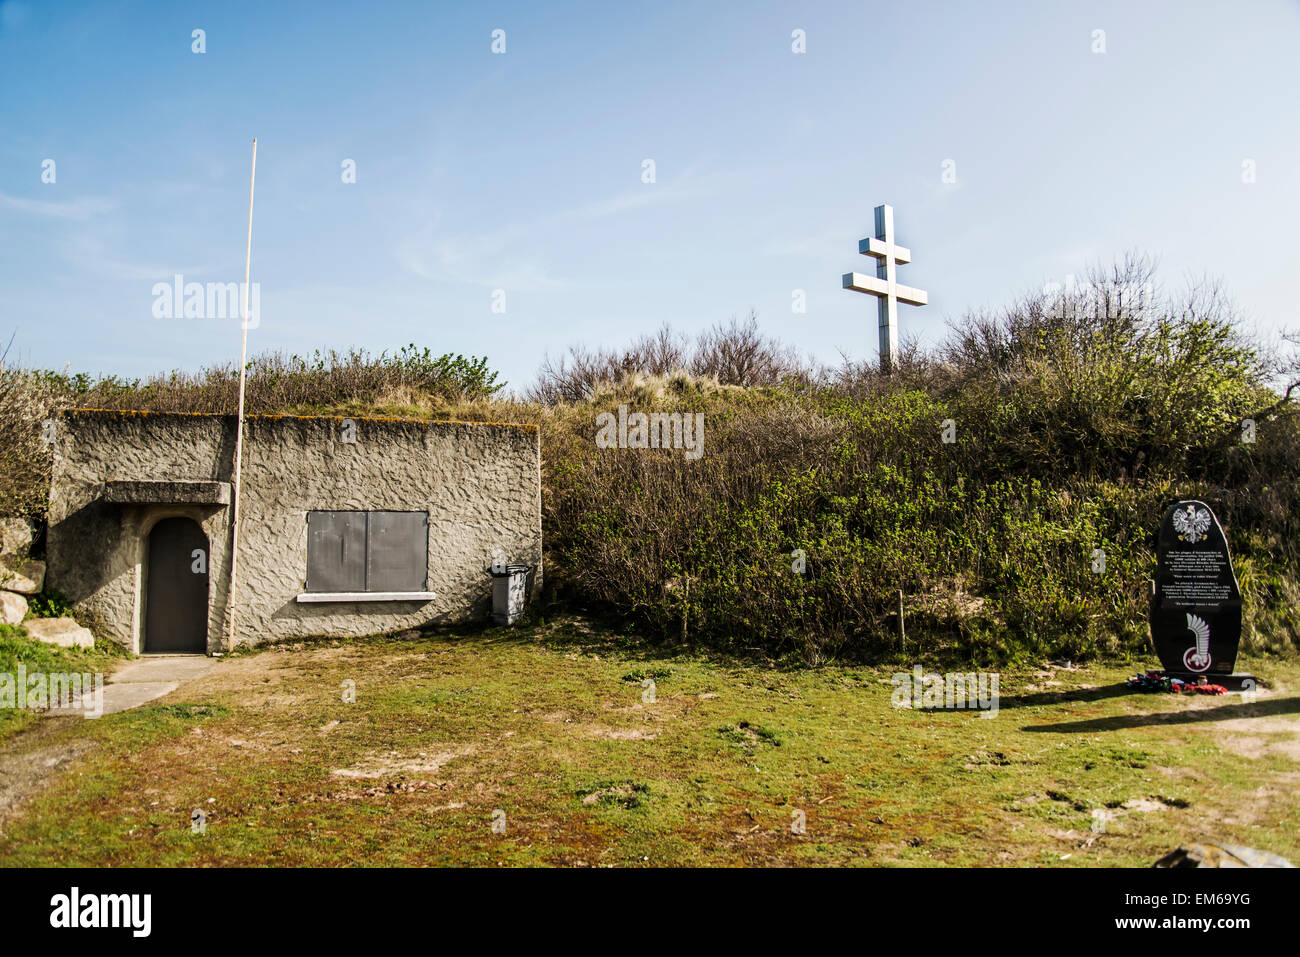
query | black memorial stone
(1196,608)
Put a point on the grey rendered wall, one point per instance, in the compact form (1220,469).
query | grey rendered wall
(479,483)
(96,550)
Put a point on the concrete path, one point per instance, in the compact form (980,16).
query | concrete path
(141,681)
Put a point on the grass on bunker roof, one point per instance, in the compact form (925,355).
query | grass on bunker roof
(552,726)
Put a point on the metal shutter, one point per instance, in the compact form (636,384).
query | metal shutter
(398,551)
(336,551)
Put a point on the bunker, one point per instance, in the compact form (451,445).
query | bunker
(348,526)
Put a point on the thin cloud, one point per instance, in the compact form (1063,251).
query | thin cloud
(78,209)
(486,259)
(830,245)
(647,195)
(493,259)
(92,255)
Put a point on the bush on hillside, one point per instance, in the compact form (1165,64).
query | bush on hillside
(26,402)
(1076,425)
(733,353)
(276,383)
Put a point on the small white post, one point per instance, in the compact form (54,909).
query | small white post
(902,635)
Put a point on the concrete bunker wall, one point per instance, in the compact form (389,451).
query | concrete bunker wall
(479,484)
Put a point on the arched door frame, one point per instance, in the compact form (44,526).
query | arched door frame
(147,522)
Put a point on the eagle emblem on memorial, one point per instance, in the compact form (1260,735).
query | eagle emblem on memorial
(1192,523)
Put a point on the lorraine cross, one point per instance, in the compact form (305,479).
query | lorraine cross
(884,284)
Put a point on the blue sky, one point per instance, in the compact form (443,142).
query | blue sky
(522,171)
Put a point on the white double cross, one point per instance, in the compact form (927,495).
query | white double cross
(884,284)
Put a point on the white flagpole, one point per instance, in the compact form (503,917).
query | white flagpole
(239,422)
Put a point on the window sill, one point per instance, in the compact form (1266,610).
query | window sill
(343,596)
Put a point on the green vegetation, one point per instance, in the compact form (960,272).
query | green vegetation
(275,383)
(16,648)
(1009,483)
(820,498)
(48,604)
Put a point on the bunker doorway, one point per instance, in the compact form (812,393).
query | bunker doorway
(176,599)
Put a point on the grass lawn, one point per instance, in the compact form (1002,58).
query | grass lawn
(547,725)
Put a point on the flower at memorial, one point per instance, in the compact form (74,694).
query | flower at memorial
(1192,524)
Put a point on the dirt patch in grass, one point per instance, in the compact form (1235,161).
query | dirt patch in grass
(1251,746)
(1260,735)
(24,772)
(622,734)
(1146,805)
(392,763)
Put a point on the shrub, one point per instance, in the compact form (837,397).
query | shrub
(49,604)
(730,354)
(1079,419)
(26,401)
(276,383)
(1083,385)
